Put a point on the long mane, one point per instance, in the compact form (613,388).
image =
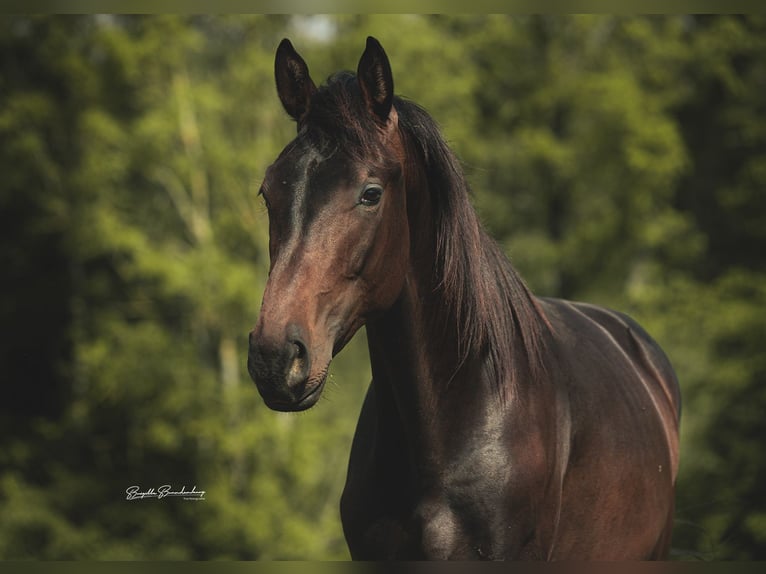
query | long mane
(494,309)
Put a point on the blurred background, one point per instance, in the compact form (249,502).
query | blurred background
(618,160)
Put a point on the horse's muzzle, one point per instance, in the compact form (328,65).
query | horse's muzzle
(280,370)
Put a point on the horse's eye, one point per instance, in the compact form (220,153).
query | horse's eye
(371,195)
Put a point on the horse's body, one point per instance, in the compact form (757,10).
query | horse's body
(497,424)
(579,466)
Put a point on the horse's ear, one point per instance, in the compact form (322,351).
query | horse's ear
(294,85)
(376,80)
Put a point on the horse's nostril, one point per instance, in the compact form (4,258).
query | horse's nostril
(299,365)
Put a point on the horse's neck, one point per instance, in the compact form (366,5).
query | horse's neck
(400,355)
(423,388)
(426,386)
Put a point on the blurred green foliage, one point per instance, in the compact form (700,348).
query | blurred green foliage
(620,160)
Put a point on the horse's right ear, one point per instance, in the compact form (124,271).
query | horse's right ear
(294,85)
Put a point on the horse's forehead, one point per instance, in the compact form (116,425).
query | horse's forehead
(303,164)
(293,161)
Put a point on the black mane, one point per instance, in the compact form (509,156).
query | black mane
(492,306)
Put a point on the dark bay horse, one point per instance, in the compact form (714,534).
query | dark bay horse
(498,424)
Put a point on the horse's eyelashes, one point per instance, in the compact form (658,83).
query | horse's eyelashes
(265,199)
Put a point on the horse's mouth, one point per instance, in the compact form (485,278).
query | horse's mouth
(308,400)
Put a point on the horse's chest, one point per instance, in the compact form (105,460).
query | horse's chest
(465,516)
(464,496)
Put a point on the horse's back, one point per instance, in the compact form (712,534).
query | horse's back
(624,405)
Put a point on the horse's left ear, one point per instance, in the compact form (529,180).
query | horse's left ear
(376,80)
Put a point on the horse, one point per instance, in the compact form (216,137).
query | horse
(498,424)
